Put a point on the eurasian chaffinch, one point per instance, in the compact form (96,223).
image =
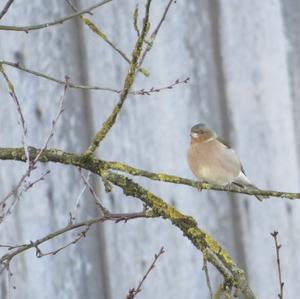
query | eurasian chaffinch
(214,162)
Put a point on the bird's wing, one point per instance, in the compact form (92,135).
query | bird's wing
(242,179)
(221,140)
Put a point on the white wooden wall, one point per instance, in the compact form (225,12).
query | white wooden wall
(243,60)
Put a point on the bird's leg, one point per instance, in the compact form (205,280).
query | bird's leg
(227,187)
(199,185)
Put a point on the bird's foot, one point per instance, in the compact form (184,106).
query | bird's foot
(199,185)
(227,187)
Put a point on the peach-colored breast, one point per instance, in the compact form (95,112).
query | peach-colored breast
(213,162)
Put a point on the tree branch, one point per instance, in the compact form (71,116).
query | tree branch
(129,80)
(201,240)
(53,23)
(142,91)
(14,250)
(50,78)
(154,33)
(95,165)
(277,248)
(133,292)
(5,8)
(213,252)
(104,37)
(208,282)
(4,208)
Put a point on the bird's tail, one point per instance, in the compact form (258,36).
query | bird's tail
(244,182)
(259,197)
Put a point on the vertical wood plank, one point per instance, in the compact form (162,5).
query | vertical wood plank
(74,273)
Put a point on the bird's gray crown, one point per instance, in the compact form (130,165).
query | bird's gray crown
(200,128)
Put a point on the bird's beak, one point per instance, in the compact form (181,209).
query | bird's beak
(194,135)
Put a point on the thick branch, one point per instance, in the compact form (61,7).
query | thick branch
(53,23)
(214,253)
(95,165)
(201,240)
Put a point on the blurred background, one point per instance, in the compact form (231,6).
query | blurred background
(243,60)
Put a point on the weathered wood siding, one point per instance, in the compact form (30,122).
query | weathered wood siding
(243,60)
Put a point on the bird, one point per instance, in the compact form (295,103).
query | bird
(212,161)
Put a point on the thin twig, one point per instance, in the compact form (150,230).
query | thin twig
(96,30)
(5,8)
(94,194)
(142,91)
(135,20)
(54,122)
(22,123)
(10,247)
(159,89)
(11,193)
(277,248)
(53,23)
(133,292)
(39,179)
(72,215)
(31,162)
(154,33)
(104,37)
(74,7)
(9,282)
(18,249)
(50,78)
(80,235)
(21,120)
(145,213)
(208,282)
(128,82)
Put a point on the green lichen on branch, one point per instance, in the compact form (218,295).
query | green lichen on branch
(96,165)
(53,155)
(94,28)
(159,207)
(164,177)
(9,83)
(103,36)
(135,20)
(129,80)
(150,42)
(218,256)
(214,253)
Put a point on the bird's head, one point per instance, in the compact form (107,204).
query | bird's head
(202,133)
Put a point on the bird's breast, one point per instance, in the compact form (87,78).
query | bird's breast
(212,162)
